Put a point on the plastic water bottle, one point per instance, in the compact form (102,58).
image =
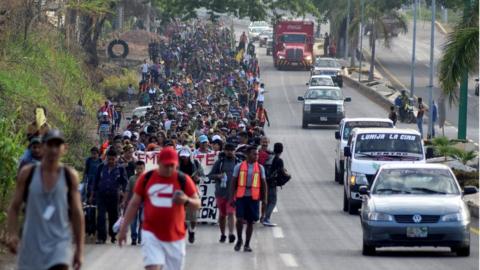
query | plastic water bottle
(223,184)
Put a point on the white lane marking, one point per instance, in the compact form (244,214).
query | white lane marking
(277,232)
(288,260)
(275,210)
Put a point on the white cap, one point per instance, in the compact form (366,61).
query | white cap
(127,133)
(105,113)
(216,137)
(185,152)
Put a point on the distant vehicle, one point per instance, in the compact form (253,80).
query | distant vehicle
(255,28)
(141,111)
(320,80)
(344,129)
(264,36)
(369,148)
(415,205)
(323,105)
(293,44)
(328,66)
(269,46)
(393,28)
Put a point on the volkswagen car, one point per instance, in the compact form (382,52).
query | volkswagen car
(415,205)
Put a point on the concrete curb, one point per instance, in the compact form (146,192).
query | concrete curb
(441,28)
(369,92)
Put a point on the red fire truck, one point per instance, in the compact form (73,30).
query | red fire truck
(293,44)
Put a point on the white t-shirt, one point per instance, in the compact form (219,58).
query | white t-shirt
(261,97)
(145,68)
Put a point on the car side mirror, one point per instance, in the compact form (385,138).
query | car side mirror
(307,84)
(337,135)
(429,153)
(347,152)
(348,99)
(363,190)
(300,98)
(468,190)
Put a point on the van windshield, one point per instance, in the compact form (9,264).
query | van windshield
(389,146)
(349,126)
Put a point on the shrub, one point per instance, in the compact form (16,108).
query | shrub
(115,86)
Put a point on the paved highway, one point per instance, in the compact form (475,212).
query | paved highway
(313,233)
(396,60)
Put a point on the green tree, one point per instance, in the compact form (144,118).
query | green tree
(460,53)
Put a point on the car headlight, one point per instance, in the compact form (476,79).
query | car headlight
(340,108)
(455,217)
(306,107)
(359,179)
(308,58)
(281,57)
(376,216)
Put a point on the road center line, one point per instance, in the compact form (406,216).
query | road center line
(278,232)
(288,260)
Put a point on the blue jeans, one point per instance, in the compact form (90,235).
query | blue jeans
(272,202)
(420,126)
(136,226)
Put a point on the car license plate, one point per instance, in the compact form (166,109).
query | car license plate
(417,232)
(323,119)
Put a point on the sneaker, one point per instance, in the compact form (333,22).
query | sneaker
(223,238)
(238,245)
(267,223)
(231,238)
(247,249)
(134,242)
(191,237)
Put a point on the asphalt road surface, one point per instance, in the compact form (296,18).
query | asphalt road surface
(397,61)
(313,233)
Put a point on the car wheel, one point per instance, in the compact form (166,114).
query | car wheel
(462,251)
(345,201)
(341,179)
(352,210)
(337,175)
(304,124)
(368,250)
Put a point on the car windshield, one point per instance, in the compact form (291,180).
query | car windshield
(389,146)
(415,181)
(327,63)
(321,81)
(293,38)
(349,126)
(333,94)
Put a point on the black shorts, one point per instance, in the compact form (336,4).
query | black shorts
(248,209)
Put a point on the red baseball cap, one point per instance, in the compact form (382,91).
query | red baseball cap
(168,156)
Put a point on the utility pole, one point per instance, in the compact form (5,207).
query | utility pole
(430,92)
(412,66)
(463,105)
(346,30)
(361,39)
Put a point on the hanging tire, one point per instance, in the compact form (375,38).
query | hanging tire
(120,42)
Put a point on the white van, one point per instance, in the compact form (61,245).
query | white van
(341,135)
(369,148)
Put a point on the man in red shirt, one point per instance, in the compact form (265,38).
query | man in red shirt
(165,194)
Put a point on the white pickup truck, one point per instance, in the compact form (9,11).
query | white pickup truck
(341,135)
(369,148)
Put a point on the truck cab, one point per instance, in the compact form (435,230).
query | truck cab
(293,44)
(343,133)
(323,105)
(369,148)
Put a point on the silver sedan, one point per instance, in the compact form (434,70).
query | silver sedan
(415,205)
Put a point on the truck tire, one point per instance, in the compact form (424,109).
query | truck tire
(462,251)
(345,201)
(368,250)
(352,210)
(304,124)
(114,42)
(337,174)
(341,179)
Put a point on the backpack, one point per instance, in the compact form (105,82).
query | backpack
(278,177)
(68,179)
(182,179)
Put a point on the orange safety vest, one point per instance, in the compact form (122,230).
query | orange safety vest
(242,181)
